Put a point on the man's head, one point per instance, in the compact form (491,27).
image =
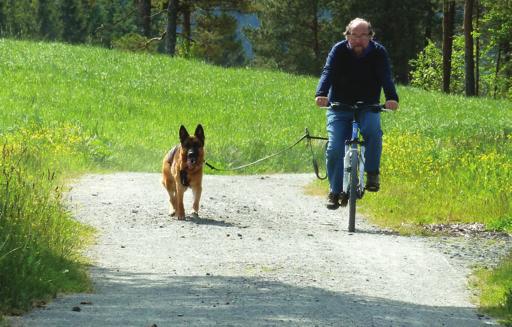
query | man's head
(359,32)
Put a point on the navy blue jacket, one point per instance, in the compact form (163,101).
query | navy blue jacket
(348,79)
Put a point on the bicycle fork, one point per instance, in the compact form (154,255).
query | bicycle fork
(351,149)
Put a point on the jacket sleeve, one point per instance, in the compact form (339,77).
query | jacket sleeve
(384,71)
(325,82)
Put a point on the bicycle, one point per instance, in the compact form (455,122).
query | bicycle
(354,160)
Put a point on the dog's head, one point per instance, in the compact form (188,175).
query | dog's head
(192,146)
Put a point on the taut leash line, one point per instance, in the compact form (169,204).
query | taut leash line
(305,136)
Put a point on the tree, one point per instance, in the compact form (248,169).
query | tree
(74,22)
(448,25)
(186,8)
(469,58)
(50,26)
(403,35)
(2,18)
(496,21)
(292,36)
(144,19)
(215,40)
(172,23)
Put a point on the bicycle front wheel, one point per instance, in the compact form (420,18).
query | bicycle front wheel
(354,181)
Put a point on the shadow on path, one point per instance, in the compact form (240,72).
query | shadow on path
(129,299)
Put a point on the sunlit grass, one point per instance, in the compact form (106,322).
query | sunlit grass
(495,288)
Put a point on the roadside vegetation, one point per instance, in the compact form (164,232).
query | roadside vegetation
(67,110)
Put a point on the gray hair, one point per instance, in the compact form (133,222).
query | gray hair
(357,21)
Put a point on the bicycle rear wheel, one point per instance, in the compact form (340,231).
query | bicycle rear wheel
(354,181)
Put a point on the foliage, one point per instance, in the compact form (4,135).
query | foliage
(427,68)
(134,42)
(216,42)
(495,66)
(73,20)
(293,35)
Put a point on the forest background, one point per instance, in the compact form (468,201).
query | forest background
(460,47)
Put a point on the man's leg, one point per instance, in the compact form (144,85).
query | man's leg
(338,130)
(372,134)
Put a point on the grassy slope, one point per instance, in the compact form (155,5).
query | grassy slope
(446,158)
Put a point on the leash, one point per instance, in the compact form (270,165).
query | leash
(305,136)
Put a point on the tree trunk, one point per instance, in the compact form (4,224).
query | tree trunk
(496,74)
(469,59)
(187,29)
(477,49)
(316,42)
(448,24)
(172,22)
(428,26)
(144,7)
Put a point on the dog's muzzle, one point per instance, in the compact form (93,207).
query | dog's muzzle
(192,156)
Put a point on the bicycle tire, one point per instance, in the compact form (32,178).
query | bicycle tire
(353,183)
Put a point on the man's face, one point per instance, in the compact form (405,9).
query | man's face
(359,38)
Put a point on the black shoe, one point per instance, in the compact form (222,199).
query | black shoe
(372,182)
(343,199)
(333,201)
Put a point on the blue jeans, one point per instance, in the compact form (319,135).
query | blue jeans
(339,129)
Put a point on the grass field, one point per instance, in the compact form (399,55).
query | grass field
(66,110)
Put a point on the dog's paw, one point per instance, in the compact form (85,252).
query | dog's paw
(194,215)
(181,217)
(172,213)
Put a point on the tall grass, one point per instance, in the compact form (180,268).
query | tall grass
(65,110)
(446,159)
(39,242)
(135,103)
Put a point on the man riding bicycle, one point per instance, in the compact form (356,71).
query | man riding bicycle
(356,70)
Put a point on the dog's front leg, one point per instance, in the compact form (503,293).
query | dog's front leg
(196,191)
(180,210)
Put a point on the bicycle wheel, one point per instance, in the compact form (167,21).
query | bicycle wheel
(354,181)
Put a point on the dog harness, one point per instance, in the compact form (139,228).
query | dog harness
(183,173)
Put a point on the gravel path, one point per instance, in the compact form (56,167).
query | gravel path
(261,254)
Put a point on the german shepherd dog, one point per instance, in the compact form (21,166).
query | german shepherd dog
(182,168)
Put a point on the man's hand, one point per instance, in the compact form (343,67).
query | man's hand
(391,104)
(322,101)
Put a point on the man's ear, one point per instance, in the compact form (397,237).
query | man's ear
(183,134)
(199,133)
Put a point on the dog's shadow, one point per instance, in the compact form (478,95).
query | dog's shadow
(208,221)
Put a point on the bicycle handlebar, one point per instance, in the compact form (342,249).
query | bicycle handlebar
(357,107)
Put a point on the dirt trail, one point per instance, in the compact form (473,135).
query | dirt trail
(261,254)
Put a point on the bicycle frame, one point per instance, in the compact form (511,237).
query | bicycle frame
(354,161)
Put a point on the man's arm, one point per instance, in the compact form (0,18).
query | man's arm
(324,84)
(387,81)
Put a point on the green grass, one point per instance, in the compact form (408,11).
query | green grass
(446,159)
(66,110)
(496,291)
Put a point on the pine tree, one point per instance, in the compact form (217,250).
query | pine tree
(293,35)
(216,42)
(74,23)
(50,26)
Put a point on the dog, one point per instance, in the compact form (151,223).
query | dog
(182,167)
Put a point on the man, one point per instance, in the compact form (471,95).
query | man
(356,70)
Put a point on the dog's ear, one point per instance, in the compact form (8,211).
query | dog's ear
(199,133)
(183,134)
